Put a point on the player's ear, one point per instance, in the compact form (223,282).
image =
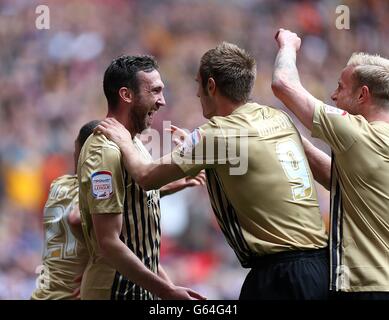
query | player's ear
(364,94)
(126,94)
(211,86)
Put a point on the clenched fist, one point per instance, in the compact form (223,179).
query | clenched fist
(286,38)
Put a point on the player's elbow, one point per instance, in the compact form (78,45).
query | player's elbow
(279,86)
(106,246)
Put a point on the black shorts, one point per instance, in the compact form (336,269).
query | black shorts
(368,295)
(292,275)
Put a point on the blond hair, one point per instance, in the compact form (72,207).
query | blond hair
(371,71)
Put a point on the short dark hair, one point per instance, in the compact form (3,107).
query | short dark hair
(122,72)
(86,130)
(233,70)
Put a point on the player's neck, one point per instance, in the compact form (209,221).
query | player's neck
(378,114)
(226,106)
(122,117)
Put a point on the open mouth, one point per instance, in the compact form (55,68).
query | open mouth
(151,113)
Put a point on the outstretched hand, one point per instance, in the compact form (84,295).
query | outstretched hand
(183,183)
(286,38)
(114,131)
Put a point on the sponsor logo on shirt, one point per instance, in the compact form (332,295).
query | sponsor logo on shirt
(333,110)
(102,185)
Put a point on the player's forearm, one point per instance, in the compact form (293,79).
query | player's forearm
(285,70)
(128,264)
(319,162)
(137,167)
(162,273)
(148,175)
(287,87)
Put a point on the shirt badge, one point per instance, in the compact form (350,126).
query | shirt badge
(102,185)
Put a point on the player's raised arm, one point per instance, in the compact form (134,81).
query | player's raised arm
(286,83)
(148,175)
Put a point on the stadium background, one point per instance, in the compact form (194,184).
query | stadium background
(51,84)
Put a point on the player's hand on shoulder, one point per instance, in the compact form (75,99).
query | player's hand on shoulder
(286,38)
(114,131)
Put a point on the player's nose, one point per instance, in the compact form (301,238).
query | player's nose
(161,102)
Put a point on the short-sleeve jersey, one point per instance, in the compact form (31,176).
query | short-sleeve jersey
(359,233)
(64,256)
(106,188)
(259,182)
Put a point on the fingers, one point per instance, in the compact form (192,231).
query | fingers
(99,129)
(192,183)
(199,180)
(177,142)
(201,177)
(196,295)
(278,33)
(280,30)
(178,131)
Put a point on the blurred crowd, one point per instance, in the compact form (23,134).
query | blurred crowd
(51,84)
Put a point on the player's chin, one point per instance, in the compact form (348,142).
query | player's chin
(148,124)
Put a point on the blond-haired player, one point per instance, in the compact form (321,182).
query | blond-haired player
(358,134)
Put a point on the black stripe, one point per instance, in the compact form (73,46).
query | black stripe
(138,289)
(239,235)
(340,239)
(157,234)
(115,285)
(211,192)
(150,240)
(145,227)
(334,226)
(335,239)
(134,217)
(233,240)
(212,199)
(125,282)
(122,288)
(234,222)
